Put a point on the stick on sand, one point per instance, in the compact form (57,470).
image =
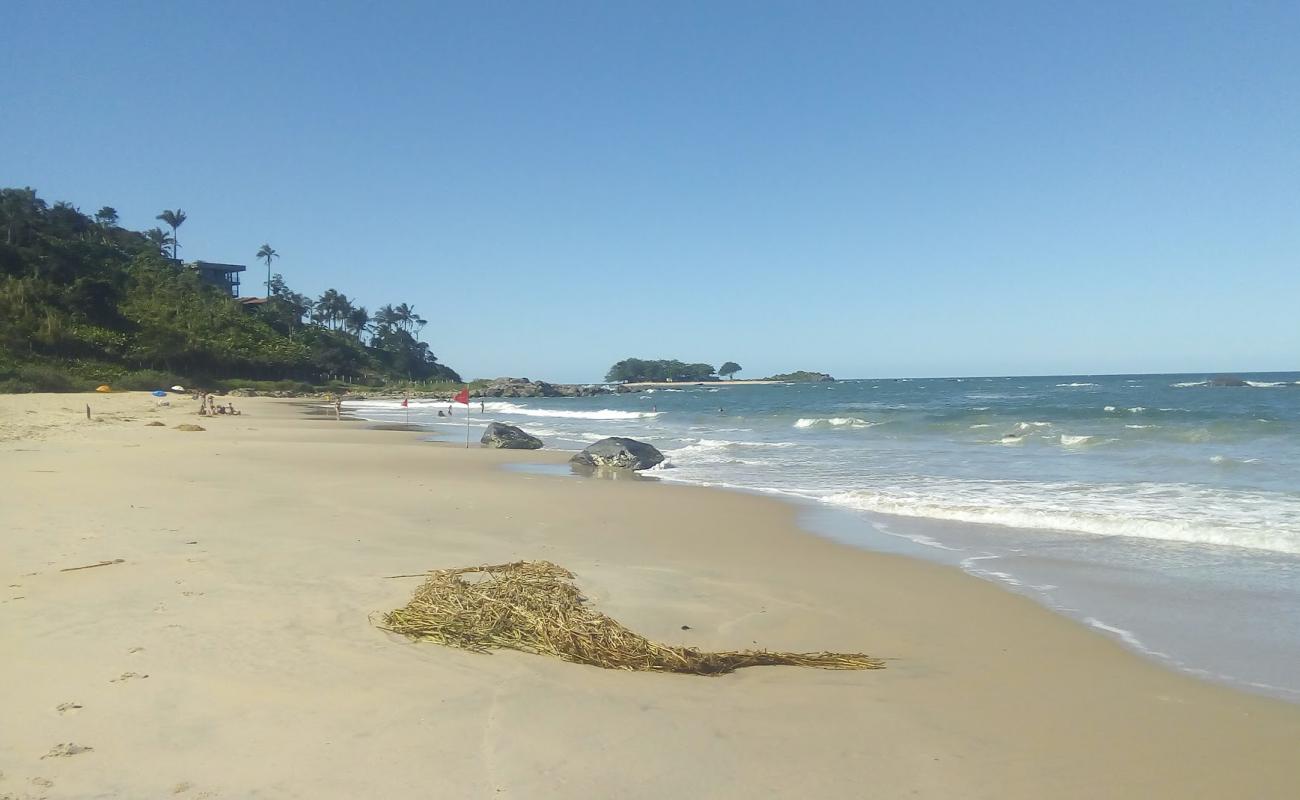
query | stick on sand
(92,566)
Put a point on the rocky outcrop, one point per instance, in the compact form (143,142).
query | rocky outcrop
(509,437)
(617,452)
(523,387)
(1226,380)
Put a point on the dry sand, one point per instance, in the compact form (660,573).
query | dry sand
(230,653)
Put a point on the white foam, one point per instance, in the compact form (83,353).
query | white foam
(1074,441)
(1072,385)
(1189,383)
(604,413)
(1125,636)
(1168,512)
(1266,384)
(834,422)
(1110,409)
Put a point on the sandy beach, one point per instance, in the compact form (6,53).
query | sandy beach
(231,653)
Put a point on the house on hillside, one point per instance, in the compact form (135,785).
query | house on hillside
(223,276)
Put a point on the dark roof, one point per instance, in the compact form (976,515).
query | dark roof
(252,301)
(215,267)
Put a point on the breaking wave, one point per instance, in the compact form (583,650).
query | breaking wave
(1254,522)
(604,413)
(834,422)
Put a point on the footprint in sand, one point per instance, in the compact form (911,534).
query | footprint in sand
(183,786)
(43,782)
(64,708)
(136,650)
(126,676)
(64,750)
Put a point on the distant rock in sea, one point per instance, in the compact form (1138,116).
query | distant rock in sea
(1226,380)
(509,437)
(618,452)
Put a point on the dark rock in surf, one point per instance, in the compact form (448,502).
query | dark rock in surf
(617,452)
(1226,380)
(509,437)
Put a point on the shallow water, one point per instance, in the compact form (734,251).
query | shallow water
(1160,509)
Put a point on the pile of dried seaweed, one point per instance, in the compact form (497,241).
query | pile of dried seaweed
(533,606)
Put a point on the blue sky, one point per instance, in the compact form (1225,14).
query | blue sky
(869,190)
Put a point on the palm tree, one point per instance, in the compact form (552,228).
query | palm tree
(174,220)
(357,321)
(159,238)
(327,307)
(385,316)
(267,253)
(406,318)
(106,216)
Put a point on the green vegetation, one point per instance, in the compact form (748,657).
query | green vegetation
(729,370)
(636,370)
(85,302)
(801,376)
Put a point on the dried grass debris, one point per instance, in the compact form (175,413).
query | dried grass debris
(534,607)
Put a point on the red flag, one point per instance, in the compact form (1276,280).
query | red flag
(463,396)
(404,402)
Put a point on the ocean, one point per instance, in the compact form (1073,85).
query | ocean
(1162,510)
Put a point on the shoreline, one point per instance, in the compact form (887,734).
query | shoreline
(255,637)
(846,526)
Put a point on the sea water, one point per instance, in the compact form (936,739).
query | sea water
(1162,510)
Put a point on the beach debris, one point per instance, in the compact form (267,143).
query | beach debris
(92,566)
(126,676)
(63,750)
(155,424)
(534,607)
(64,708)
(187,426)
(509,437)
(618,452)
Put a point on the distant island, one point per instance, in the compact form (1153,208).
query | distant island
(801,376)
(649,371)
(641,370)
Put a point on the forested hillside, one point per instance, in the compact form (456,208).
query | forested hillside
(84,301)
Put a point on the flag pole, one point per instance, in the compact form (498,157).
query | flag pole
(467,422)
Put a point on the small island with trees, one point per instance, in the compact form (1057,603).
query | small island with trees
(643,372)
